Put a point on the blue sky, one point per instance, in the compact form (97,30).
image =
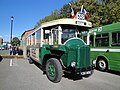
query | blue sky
(26,14)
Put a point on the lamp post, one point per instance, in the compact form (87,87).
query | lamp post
(12,18)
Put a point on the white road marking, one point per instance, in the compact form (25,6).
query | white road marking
(11,62)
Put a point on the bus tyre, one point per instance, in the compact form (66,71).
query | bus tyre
(101,64)
(29,58)
(54,70)
(30,61)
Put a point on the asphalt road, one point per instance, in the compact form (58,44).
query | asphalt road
(18,74)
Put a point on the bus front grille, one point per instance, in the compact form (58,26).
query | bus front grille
(85,56)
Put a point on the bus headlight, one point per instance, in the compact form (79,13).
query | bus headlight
(94,62)
(73,64)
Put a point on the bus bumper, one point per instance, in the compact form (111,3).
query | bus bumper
(86,72)
(82,72)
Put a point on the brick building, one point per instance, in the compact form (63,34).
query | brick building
(23,41)
(1,40)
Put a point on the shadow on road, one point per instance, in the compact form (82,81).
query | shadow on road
(111,71)
(38,65)
(1,58)
(114,72)
(66,75)
(72,76)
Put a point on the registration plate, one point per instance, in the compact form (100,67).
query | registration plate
(86,72)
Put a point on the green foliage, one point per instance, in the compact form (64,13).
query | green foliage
(15,41)
(101,12)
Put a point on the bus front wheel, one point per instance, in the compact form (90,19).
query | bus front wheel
(102,65)
(54,70)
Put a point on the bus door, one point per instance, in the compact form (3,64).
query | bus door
(35,45)
(55,37)
(35,53)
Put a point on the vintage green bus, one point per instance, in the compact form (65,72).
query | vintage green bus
(105,43)
(58,48)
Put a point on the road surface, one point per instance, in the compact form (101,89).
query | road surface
(18,74)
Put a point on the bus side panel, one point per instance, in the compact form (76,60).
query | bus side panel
(112,57)
(94,55)
(34,54)
(114,60)
(42,52)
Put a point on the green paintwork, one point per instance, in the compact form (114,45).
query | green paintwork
(113,59)
(43,51)
(84,56)
(50,49)
(107,28)
(51,70)
(73,50)
(74,43)
(78,51)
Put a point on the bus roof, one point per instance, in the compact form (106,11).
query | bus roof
(64,21)
(107,28)
(67,21)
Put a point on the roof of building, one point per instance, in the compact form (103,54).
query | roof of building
(27,31)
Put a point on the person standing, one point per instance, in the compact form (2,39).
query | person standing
(11,50)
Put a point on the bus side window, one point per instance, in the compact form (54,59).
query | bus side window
(33,39)
(38,37)
(46,36)
(91,40)
(102,40)
(116,38)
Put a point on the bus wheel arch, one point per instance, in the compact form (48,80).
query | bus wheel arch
(48,56)
(102,63)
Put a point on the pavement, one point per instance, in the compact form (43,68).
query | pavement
(6,54)
(18,74)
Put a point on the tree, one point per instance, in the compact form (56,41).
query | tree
(101,12)
(65,11)
(15,41)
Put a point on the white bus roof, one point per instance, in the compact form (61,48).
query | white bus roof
(67,21)
(64,21)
